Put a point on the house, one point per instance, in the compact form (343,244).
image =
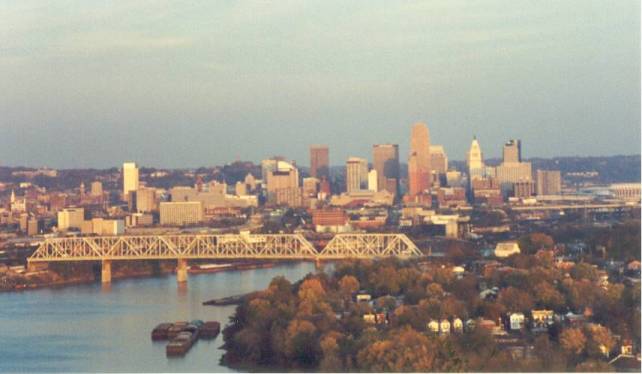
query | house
(369,318)
(381,318)
(505,249)
(626,361)
(516,321)
(458,325)
(433,326)
(542,318)
(490,293)
(575,320)
(363,297)
(444,327)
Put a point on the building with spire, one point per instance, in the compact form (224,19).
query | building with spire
(475,161)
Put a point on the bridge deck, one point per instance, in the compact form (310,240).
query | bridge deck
(199,246)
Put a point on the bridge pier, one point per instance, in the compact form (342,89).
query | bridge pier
(105,271)
(181,270)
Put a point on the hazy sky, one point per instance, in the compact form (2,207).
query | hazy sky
(187,84)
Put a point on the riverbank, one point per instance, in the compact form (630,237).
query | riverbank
(62,275)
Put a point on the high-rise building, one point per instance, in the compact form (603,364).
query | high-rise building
(319,161)
(549,182)
(419,172)
(146,200)
(356,174)
(130,178)
(96,188)
(310,187)
(512,151)
(70,218)
(283,185)
(438,159)
(512,170)
(385,160)
(372,180)
(475,161)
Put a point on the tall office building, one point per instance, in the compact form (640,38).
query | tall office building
(356,174)
(70,218)
(438,159)
(513,151)
(475,161)
(146,200)
(512,169)
(372,180)
(385,159)
(282,184)
(319,161)
(130,178)
(419,172)
(96,188)
(549,182)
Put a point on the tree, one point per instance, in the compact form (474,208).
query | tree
(548,297)
(331,360)
(302,343)
(515,300)
(573,341)
(584,271)
(600,340)
(405,350)
(348,285)
(531,243)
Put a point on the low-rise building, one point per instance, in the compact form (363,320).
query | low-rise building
(505,249)
(181,213)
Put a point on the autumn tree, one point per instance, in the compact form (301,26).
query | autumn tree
(573,341)
(530,244)
(600,340)
(348,285)
(404,350)
(515,300)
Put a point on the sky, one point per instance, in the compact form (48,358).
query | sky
(189,84)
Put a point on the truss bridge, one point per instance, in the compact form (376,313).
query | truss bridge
(184,247)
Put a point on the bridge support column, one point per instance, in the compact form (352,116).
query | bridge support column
(106,271)
(181,270)
(318,264)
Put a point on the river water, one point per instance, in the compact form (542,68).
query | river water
(91,329)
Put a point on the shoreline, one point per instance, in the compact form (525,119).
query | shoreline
(136,274)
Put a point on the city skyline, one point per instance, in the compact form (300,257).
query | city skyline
(177,87)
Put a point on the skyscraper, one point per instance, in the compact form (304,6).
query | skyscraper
(419,173)
(385,159)
(283,185)
(512,151)
(438,159)
(475,160)
(512,169)
(130,178)
(319,161)
(356,174)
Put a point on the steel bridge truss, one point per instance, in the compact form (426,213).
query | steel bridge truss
(369,246)
(199,246)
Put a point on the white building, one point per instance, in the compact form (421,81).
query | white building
(71,218)
(130,178)
(505,249)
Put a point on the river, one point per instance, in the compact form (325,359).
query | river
(91,329)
